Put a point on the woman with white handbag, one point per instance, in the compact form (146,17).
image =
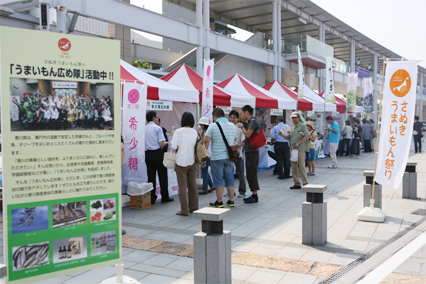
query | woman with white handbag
(183,142)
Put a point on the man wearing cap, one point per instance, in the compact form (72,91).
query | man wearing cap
(298,137)
(282,150)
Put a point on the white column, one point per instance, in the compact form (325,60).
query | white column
(421,97)
(375,112)
(274,38)
(321,74)
(352,56)
(207,29)
(279,52)
(199,16)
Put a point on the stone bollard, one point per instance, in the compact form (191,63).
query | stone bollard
(212,247)
(409,181)
(368,188)
(314,216)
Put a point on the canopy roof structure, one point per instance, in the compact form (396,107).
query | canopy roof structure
(185,77)
(304,104)
(264,98)
(157,88)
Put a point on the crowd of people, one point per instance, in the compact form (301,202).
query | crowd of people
(47,111)
(237,131)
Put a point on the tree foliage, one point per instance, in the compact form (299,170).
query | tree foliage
(141,64)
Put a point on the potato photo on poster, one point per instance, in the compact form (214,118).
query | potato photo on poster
(96,210)
(30,219)
(48,105)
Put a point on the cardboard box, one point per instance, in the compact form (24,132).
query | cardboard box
(141,202)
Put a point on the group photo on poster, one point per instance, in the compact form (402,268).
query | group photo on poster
(38,104)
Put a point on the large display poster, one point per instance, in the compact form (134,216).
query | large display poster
(61,158)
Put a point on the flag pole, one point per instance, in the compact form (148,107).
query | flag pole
(378,134)
(371,213)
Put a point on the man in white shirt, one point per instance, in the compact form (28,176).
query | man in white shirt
(54,117)
(233,117)
(46,117)
(282,149)
(154,141)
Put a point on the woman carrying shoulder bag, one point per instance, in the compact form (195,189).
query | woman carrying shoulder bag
(184,140)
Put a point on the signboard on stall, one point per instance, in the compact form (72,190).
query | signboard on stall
(61,189)
(64,85)
(310,113)
(159,105)
(399,101)
(134,117)
(276,112)
(335,113)
(362,73)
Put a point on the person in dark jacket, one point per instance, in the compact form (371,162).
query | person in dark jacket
(417,134)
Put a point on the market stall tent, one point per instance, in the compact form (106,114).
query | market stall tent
(157,88)
(309,94)
(340,104)
(358,109)
(282,90)
(185,77)
(264,98)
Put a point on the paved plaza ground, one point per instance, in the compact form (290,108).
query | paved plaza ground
(267,236)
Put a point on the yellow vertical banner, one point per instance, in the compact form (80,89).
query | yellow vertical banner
(61,153)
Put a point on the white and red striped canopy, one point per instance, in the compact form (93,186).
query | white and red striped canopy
(282,90)
(309,94)
(340,104)
(157,88)
(185,77)
(264,98)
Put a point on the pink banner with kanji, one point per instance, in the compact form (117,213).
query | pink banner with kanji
(207,104)
(134,112)
(399,101)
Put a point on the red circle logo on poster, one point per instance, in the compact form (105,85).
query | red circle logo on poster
(133,96)
(64,44)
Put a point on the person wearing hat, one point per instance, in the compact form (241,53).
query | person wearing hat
(207,180)
(311,154)
(298,137)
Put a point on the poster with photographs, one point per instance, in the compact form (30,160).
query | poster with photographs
(47,105)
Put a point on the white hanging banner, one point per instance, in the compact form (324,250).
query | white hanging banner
(351,92)
(208,75)
(134,111)
(368,95)
(329,81)
(300,76)
(399,101)
(311,80)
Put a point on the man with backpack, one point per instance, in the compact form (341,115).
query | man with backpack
(251,154)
